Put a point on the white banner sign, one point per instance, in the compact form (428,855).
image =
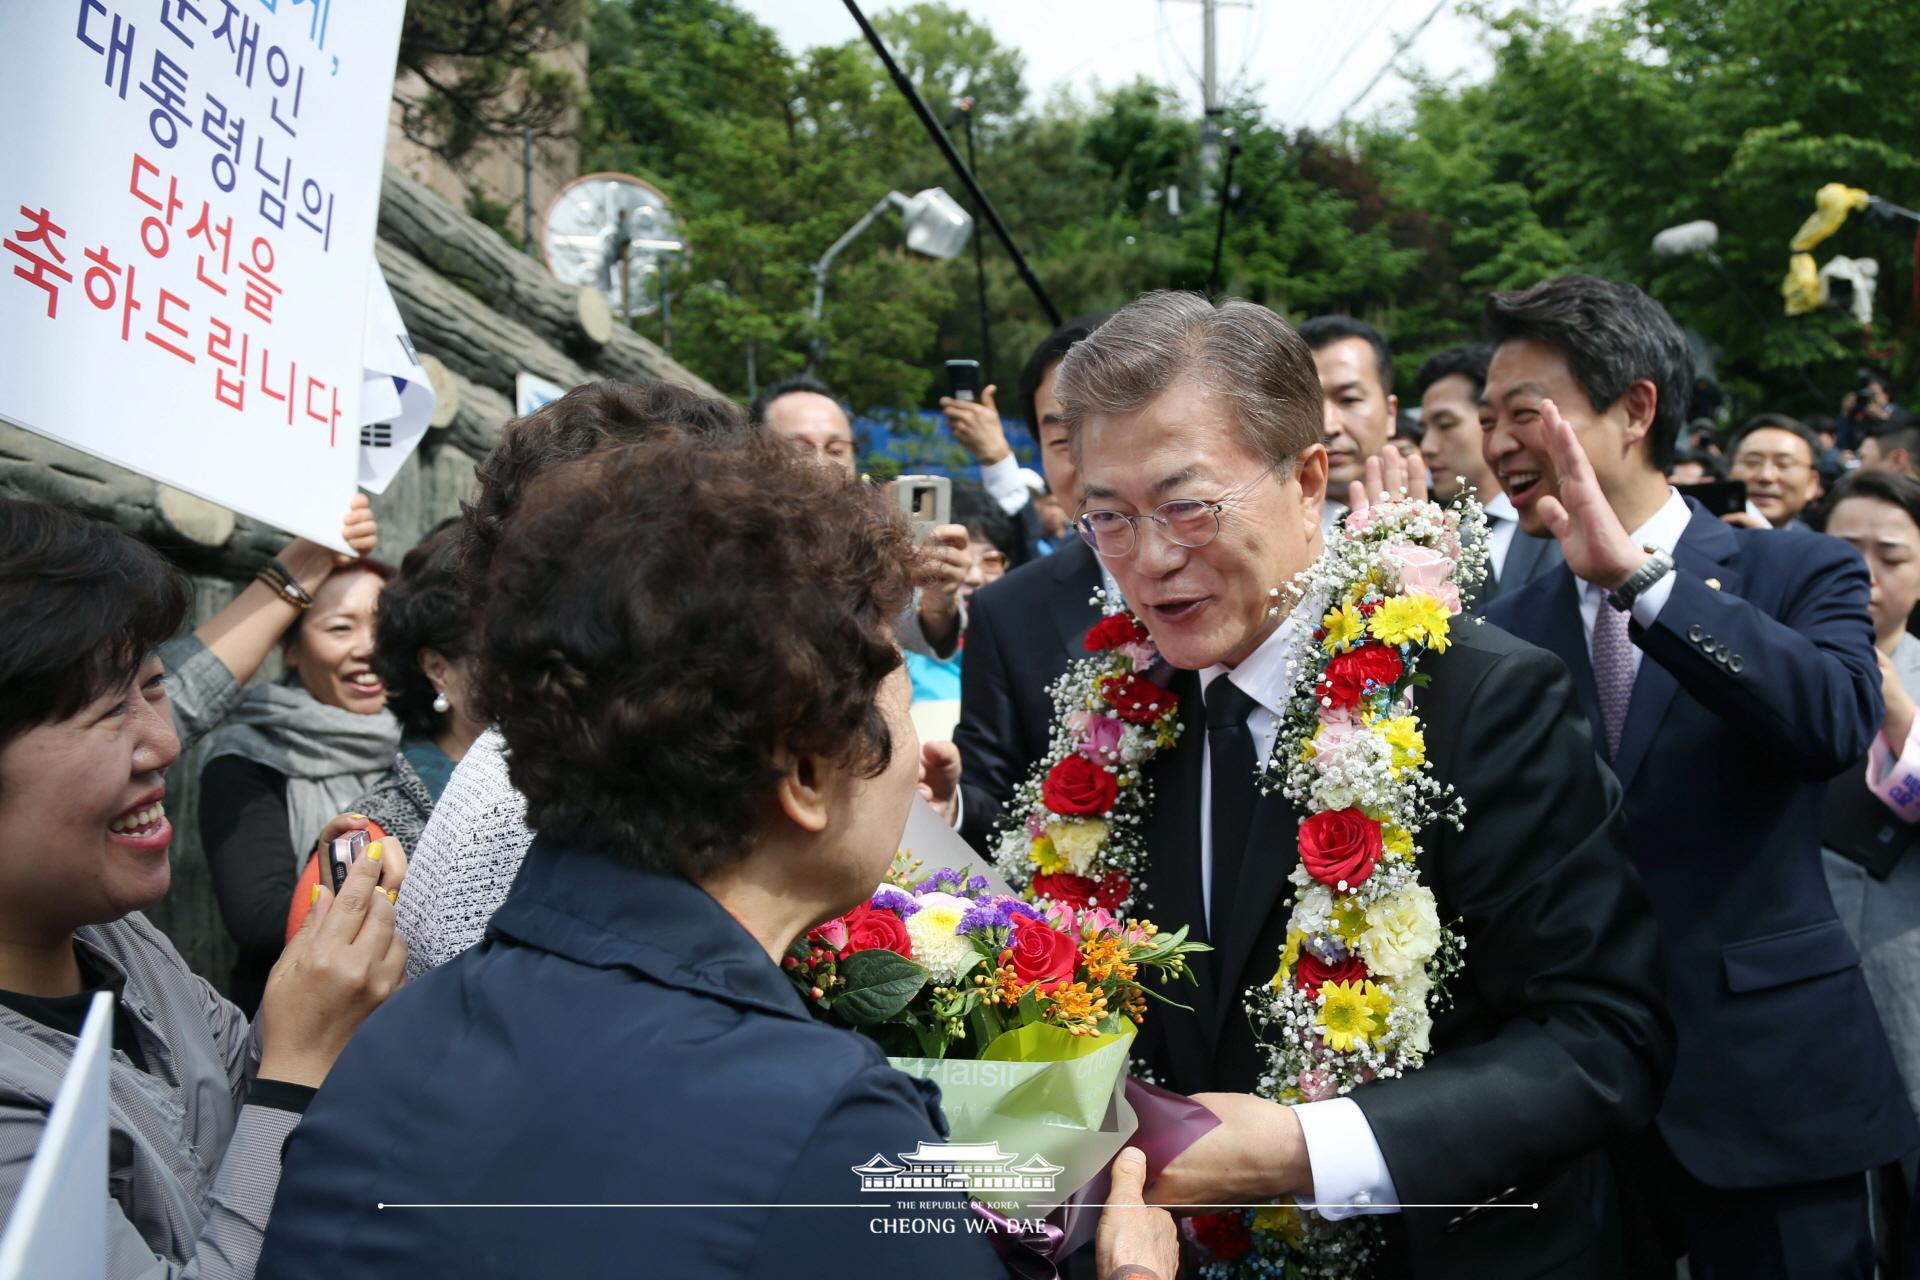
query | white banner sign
(188,205)
(59,1224)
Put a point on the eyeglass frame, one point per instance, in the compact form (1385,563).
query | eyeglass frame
(1215,506)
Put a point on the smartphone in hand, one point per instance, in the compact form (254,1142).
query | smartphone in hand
(341,856)
(1719,497)
(963,379)
(926,500)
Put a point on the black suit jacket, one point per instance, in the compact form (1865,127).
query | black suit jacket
(1021,633)
(1757,683)
(1557,1038)
(1527,559)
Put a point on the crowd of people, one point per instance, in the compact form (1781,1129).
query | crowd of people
(638,718)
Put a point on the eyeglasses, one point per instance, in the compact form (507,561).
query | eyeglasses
(1782,464)
(1185,522)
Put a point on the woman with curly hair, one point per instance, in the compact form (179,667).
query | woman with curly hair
(689,648)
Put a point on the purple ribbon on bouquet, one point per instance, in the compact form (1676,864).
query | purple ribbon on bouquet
(1169,1123)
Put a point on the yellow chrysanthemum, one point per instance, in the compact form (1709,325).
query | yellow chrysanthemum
(1289,956)
(1044,856)
(1402,733)
(1282,1220)
(1345,627)
(1396,839)
(1349,919)
(1350,1014)
(1416,618)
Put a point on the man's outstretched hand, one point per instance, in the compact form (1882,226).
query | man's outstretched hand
(1595,545)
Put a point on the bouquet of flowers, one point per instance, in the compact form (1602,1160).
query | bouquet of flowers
(942,967)
(1023,1014)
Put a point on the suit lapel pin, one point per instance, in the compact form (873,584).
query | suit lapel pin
(1714,583)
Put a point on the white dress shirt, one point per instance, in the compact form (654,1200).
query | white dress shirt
(1349,1174)
(1662,530)
(1502,523)
(1005,485)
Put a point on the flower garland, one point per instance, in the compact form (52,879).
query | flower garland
(1366,956)
(1076,840)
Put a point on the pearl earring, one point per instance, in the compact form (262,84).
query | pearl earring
(440,703)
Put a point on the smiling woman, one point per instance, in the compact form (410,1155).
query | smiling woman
(201,1104)
(293,754)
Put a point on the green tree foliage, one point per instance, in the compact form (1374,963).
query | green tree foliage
(481,64)
(1586,140)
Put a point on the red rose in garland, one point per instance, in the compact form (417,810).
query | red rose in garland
(871,929)
(1112,891)
(1340,845)
(1224,1235)
(1113,631)
(1040,953)
(1075,891)
(1137,701)
(1348,674)
(1311,971)
(1076,787)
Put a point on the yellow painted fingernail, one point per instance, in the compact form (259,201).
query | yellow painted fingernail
(393,896)
(358,817)
(315,900)
(373,850)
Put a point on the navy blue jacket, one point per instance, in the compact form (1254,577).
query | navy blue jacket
(616,1039)
(1757,684)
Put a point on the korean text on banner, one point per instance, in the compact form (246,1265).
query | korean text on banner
(187,207)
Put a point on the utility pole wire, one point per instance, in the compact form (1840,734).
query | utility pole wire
(1333,69)
(1400,46)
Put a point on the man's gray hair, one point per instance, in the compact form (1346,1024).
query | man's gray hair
(1238,351)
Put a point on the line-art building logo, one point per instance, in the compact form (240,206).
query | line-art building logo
(957,1166)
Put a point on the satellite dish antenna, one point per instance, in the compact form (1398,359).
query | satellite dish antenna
(612,231)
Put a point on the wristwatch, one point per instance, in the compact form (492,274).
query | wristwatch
(1657,567)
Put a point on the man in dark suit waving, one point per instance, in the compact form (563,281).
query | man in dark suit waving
(1727,673)
(1555,1039)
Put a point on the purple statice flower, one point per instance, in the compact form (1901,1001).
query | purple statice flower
(976,886)
(945,880)
(898,901)
(995,913)
(1015,907)
(1327,947)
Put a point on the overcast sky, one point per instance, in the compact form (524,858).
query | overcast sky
(1308,60)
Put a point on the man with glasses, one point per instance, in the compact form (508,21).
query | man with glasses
(1197,431)
(1775,456)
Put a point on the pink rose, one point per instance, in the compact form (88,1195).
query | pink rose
(1358,520)
(832,934)
(1099,736)
(1141,655)
(1336,715)
(1420,568)
(1447,594)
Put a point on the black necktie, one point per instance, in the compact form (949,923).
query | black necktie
(1230,766)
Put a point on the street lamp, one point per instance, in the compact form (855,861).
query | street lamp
(936,226)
